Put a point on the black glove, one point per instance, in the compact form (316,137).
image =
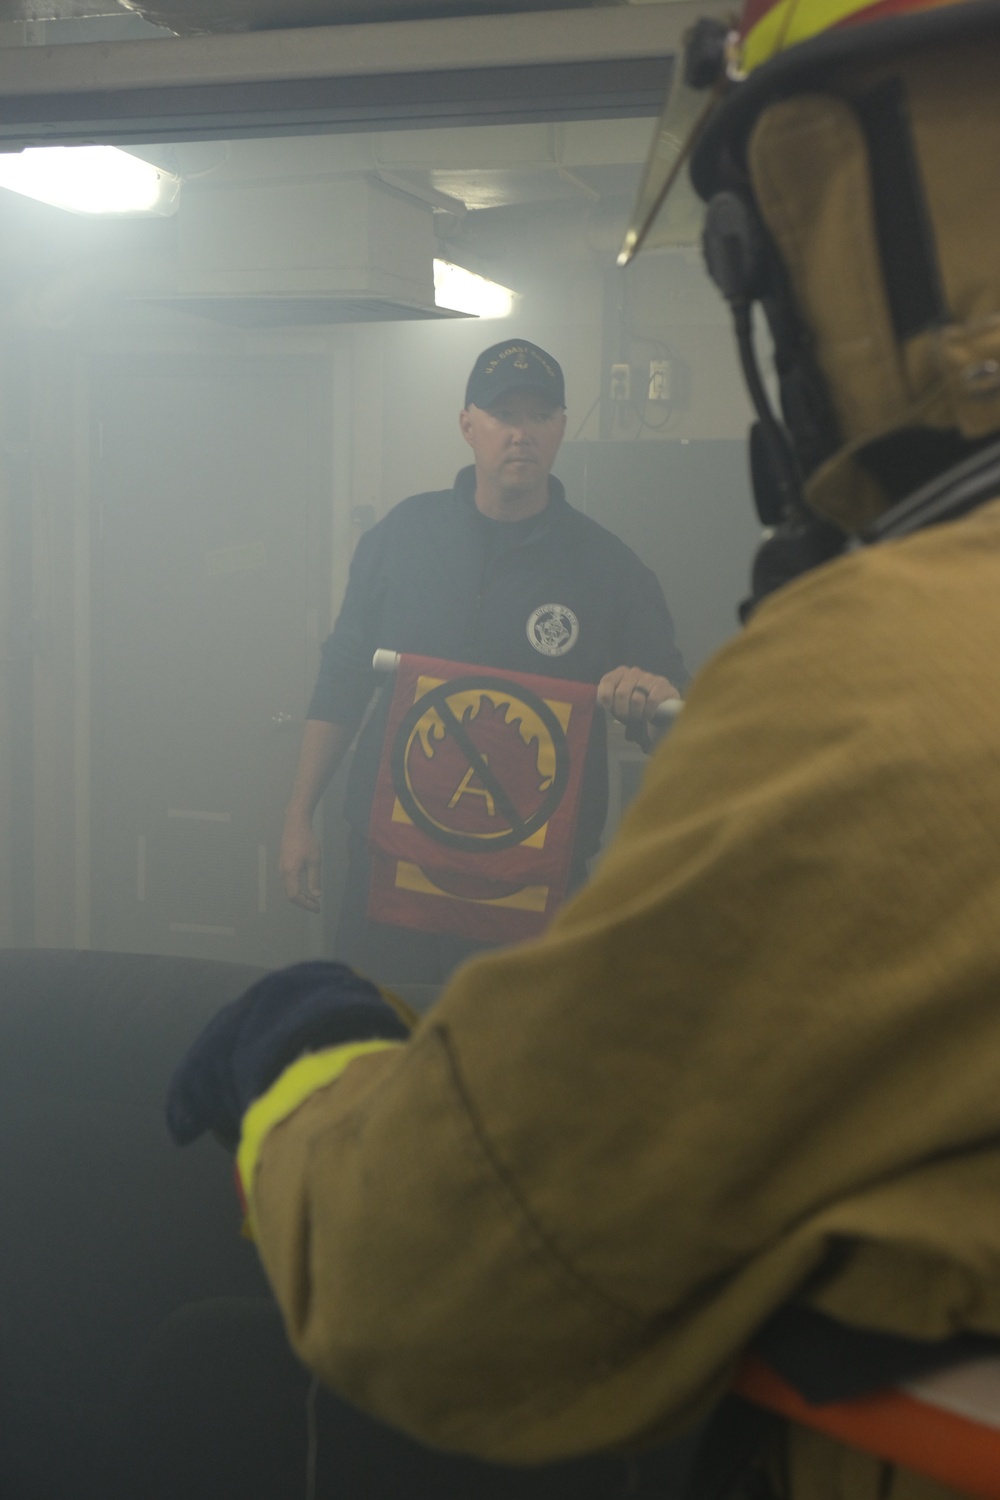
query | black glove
(250,1042)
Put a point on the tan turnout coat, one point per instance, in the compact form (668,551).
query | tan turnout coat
(767,1030)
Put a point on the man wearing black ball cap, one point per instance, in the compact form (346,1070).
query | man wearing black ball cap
(499,571)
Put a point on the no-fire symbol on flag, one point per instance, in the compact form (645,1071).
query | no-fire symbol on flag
(475,808)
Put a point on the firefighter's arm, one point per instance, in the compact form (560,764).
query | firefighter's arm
(549,1222)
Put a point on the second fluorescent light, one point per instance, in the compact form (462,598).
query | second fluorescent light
(464,291)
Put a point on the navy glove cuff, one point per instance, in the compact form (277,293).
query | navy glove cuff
(362,1021)
(251,1042)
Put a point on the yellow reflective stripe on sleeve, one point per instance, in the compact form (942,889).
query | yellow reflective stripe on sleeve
(294,1086)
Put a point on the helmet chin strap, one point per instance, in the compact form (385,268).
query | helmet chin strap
(735,250)
(785,476)
(736,254)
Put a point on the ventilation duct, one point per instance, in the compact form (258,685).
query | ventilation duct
(339,250)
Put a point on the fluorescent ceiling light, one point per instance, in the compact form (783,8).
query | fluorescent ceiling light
(90,180)
(463,291)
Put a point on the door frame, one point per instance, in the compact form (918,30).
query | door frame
(318,585)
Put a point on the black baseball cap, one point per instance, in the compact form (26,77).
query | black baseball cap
(514,366)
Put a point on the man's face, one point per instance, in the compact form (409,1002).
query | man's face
(515,441)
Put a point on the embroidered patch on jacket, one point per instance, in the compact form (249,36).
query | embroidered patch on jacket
(553,629)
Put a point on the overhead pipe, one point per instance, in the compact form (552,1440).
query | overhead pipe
(189,17)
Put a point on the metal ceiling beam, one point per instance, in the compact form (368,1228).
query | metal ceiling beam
(469,70)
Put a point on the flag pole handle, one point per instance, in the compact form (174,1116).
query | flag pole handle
(663,715)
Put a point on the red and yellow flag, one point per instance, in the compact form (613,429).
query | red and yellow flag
(475,808)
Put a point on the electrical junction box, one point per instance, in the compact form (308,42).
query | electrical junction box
(659,380)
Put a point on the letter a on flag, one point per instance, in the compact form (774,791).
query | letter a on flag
(475,808)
